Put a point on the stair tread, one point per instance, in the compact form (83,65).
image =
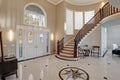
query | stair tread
(68,49)
(72,56)
(69,46)
(71,42)
(69,53)
(66,54)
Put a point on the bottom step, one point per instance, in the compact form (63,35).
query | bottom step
(66,58)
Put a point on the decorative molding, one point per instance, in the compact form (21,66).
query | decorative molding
(68,1)
(54,2)
(73,3)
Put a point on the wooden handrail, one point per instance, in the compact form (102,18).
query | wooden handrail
(60,45)
(1,45)
(105,11)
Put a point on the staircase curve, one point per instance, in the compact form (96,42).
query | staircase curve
(69,51)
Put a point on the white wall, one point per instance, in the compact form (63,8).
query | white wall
(112,24)
(113,35)
(103,39)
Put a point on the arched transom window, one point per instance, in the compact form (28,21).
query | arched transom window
(34,15)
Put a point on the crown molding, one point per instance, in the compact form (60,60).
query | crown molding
(54,2)
(72,3)
(80,4)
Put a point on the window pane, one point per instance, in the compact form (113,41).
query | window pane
(78,20)
(69,22)
(34,16)
(88,15)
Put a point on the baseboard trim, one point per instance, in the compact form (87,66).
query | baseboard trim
(35,57)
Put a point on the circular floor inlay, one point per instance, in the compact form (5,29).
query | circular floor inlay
(73,73)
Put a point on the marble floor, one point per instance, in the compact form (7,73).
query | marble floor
(47,68)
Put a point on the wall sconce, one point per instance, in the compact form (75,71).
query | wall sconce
(52,36)
(10,35)
(65,26)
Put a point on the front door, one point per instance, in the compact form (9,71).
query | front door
(29,43)
(34,42)
(42,43)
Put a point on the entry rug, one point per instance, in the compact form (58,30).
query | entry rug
(73,73)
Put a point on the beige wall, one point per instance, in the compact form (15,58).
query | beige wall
(60,11)
(11,14)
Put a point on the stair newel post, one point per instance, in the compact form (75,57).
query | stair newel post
(1,45)
(80,35)
(58,47)
(75,49)
(62,43)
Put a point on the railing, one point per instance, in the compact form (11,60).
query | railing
(60,45)
(105,11)
(1,45)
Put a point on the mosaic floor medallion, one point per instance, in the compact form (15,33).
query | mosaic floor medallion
(73,73)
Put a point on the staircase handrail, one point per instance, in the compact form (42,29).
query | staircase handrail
(60,45)
(105,11)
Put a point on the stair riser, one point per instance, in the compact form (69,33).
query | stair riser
(70,53)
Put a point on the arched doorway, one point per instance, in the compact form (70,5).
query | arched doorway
(32,37)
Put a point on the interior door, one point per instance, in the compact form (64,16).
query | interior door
(42,43)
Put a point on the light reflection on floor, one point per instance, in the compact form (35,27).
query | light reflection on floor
(47,68)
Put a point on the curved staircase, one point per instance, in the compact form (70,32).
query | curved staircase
(69,51)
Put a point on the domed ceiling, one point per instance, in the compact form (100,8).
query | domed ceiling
(75,2)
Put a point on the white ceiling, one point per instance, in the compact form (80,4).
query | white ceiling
(75,2)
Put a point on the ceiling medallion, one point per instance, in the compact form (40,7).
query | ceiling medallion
(73,73)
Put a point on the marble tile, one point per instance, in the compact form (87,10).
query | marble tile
(47,68)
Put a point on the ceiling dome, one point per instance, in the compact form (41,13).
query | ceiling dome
(115,3)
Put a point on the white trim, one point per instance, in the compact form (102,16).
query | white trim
(55,3)
(68,1)
(73,3)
